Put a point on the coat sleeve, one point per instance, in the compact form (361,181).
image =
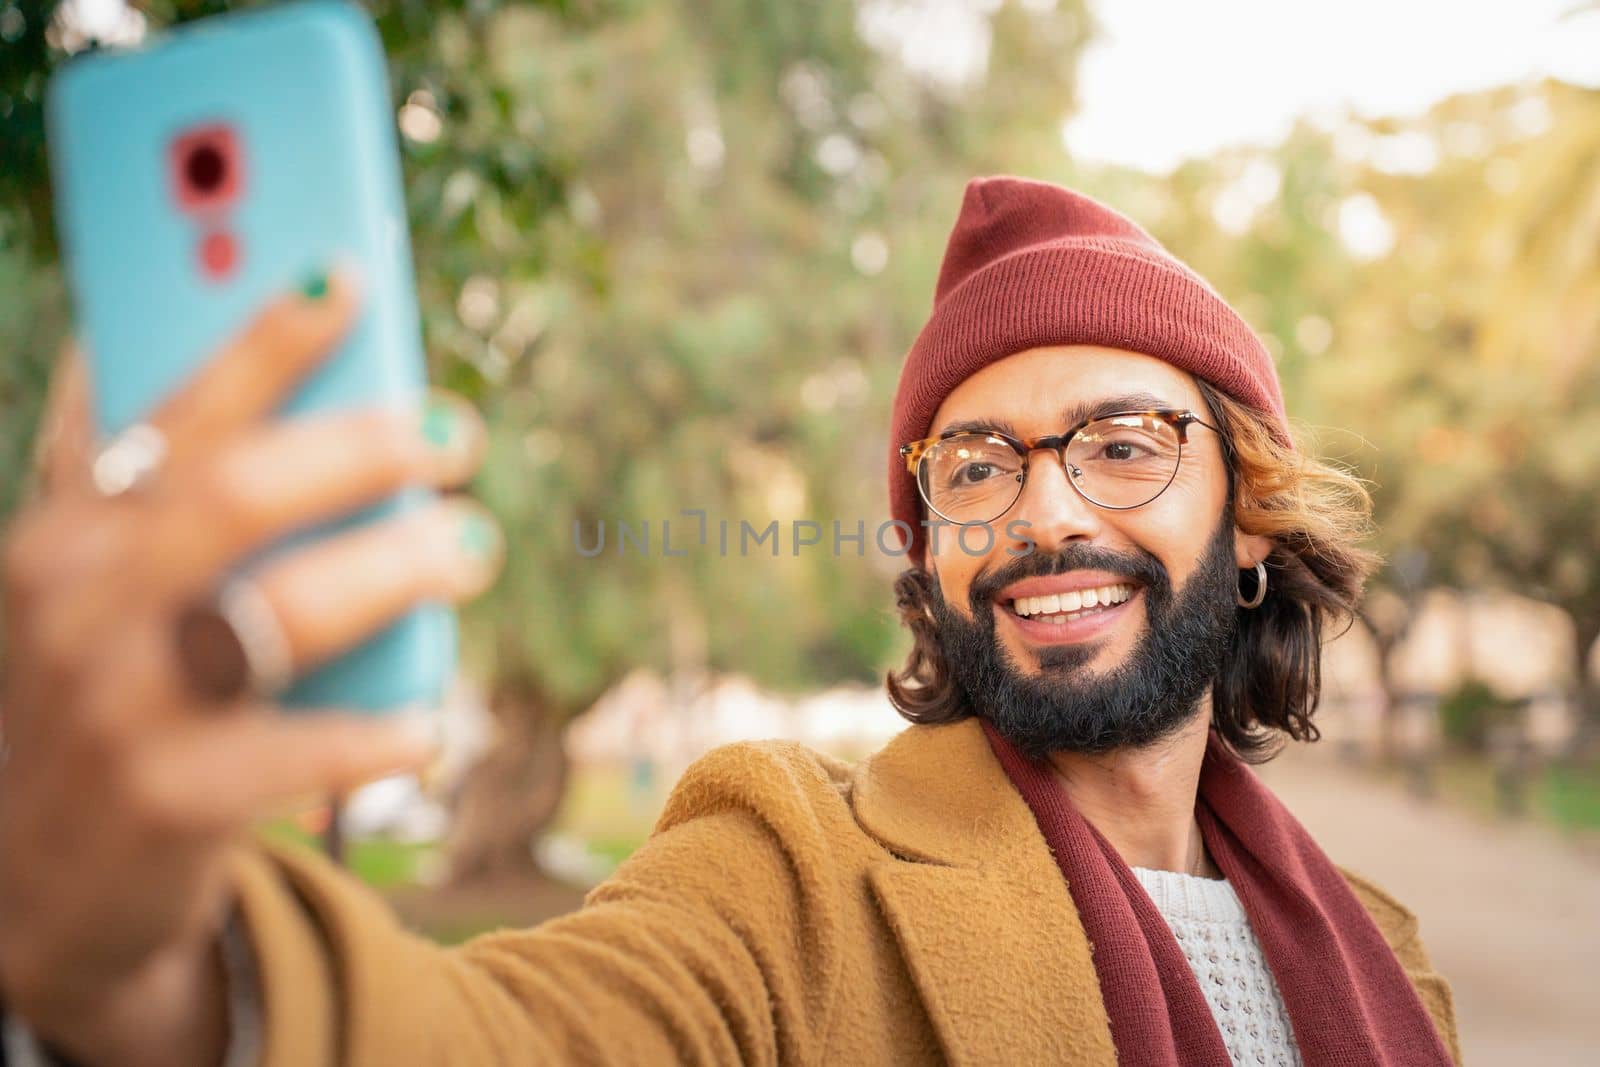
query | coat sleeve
(714,943)
(1400,928)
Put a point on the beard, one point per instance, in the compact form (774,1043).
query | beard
(1065,706)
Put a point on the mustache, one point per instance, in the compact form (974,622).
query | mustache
(1140,567)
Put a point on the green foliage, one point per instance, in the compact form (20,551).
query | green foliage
(1467,715)
(380,862)
(1478,336)
(32,321)
(1571,796)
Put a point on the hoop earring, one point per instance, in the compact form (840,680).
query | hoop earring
(1261,589)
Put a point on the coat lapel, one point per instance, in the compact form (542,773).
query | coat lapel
(979,908)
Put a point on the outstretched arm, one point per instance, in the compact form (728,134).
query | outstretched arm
(710,945)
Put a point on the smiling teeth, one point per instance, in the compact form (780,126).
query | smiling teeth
(1063,604)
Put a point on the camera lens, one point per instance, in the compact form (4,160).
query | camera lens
(206,168)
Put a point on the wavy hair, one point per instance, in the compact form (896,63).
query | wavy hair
(1316,515)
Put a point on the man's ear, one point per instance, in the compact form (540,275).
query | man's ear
(1250,549)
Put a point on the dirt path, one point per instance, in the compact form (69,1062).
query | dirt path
(1510,913)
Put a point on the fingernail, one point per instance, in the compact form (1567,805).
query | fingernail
(450,425)
(315,285)
(479,549)
(480,538)
(343,275)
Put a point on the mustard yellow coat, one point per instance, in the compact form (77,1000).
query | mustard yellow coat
(789,908)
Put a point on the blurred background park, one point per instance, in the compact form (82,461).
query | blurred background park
(676,251)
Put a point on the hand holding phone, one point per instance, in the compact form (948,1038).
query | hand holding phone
(121,793)
(205,186)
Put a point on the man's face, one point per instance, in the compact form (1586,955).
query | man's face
(1110,676)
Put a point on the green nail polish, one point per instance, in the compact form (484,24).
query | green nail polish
(315,287)
(438,423)
(479,538)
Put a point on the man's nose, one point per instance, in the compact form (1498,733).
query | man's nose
(1054,511)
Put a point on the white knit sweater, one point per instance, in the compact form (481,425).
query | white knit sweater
(1212,929)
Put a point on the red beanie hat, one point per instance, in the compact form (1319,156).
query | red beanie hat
(1032,264)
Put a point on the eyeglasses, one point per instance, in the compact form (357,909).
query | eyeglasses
(1118,461)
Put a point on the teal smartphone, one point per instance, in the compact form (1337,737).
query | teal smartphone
(219,165)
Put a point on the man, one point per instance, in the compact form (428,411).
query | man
(1121,571)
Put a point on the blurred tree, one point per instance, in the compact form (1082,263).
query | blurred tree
(1498,261)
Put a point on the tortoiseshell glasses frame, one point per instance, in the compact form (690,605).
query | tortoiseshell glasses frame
(1113,484)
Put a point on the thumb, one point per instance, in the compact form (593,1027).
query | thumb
(66,439)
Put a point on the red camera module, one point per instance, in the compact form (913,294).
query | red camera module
(207,169)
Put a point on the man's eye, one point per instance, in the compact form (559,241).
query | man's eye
(1126,450)
(973,473)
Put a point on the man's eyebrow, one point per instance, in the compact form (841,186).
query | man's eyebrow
(1071,416)
(1093,409)
(980,426)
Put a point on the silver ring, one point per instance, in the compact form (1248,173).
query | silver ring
(130,460)
(234,644)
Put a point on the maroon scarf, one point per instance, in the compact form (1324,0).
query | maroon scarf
(1348,998)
